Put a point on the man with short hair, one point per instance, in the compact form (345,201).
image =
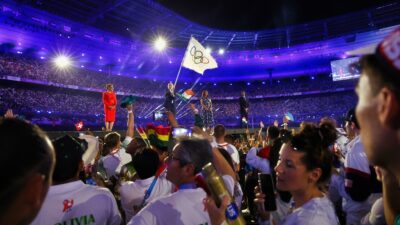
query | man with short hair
(378,111)
(135,195)
(219,134)
(27,163)
(69,200)
(359,178)
(117,155)
(186,206)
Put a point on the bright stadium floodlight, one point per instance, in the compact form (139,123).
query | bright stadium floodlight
(160,44)
(62,61)
(208,50)
(221,51)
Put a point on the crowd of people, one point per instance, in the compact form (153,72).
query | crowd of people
(19,66)
(87,108)
(66,107)
(318,173)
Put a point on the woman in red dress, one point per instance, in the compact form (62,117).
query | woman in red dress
(110,103)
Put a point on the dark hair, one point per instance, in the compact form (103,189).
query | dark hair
(314,142)
(328,119)
(379,75)
(219,131)
(146,163)
(25,149)
(285,135)
(273,132)
(203,93)
(195,151)
(351,117)
(68,157)
(111,140)
(137,144)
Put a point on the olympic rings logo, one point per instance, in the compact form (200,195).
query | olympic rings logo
(198,56)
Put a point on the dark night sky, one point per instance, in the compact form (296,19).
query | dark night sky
(262,14)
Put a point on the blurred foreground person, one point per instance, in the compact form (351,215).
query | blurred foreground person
(70,201)
(27,163)
(378,111)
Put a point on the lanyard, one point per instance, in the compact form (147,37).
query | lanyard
(148,192)
(187,186)
(150,189)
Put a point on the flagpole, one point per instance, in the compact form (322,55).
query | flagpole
(180,67)
(146,141)
(179,71)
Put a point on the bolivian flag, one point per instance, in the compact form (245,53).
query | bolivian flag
(158,135)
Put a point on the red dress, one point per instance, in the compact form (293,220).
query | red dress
(109,99)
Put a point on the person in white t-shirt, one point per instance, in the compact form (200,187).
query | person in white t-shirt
(304,166)
(237,190)
(117,155)
(360,184)
(219,134)
(186,206)
(27,163)
(69,200)
(133,194)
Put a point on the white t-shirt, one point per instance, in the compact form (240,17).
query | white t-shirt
(234,189)
(376,216)
(78,203)
(317,211)
(125,157)
(112,163)
(356,159)
(184,207)
(232,151)
(282,210)
(132,193)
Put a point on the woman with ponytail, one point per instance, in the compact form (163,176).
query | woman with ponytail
(303,169)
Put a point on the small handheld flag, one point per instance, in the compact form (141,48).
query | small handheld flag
(186,95)
(143,135)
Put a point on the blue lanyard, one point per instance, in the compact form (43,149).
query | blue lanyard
(187,186)
(148,191)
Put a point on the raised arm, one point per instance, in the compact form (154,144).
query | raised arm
(131,122)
